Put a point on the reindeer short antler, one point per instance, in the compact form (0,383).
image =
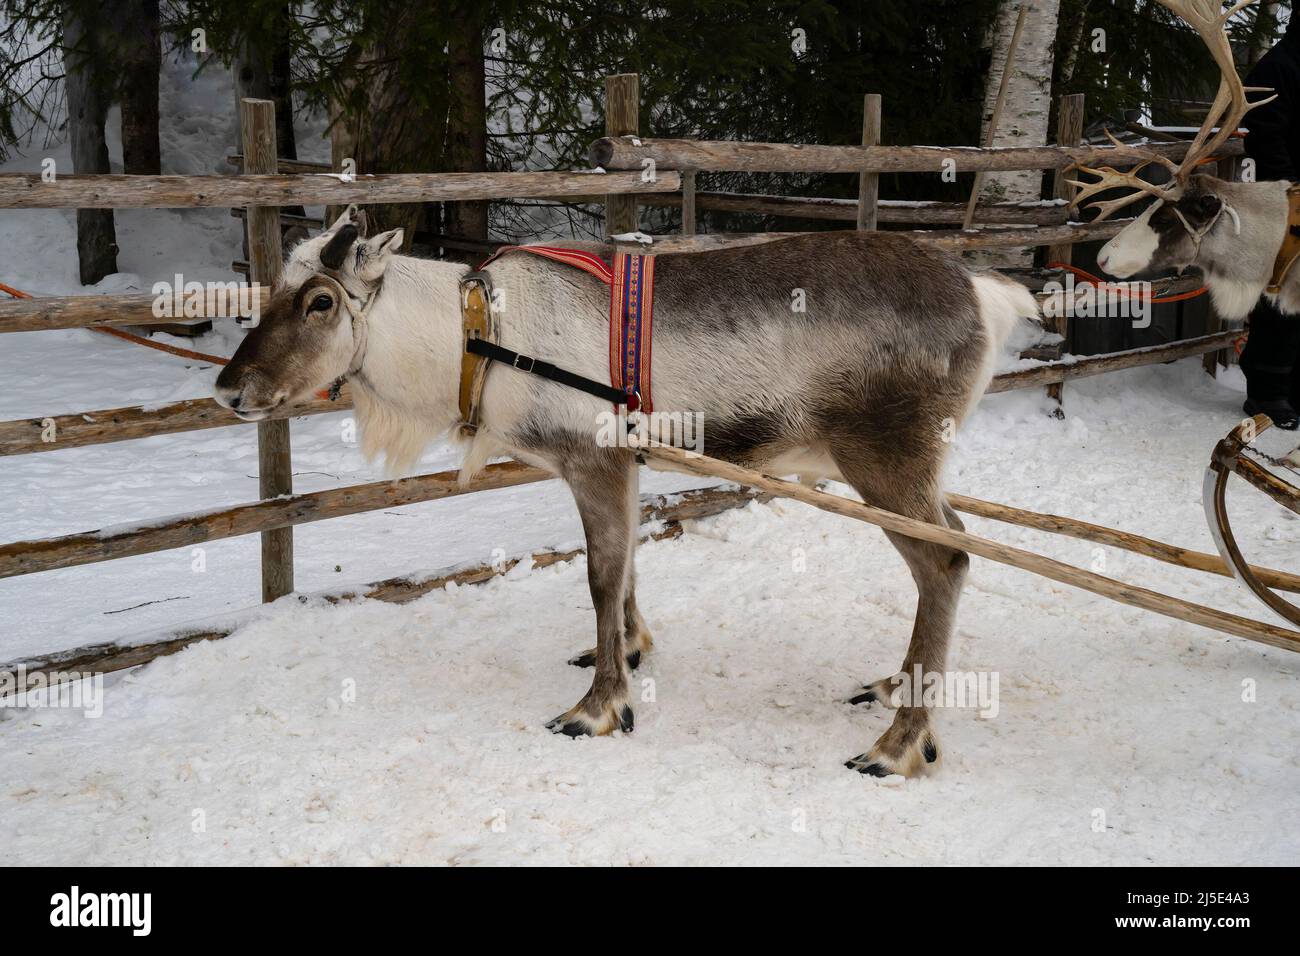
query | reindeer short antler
(1209,20)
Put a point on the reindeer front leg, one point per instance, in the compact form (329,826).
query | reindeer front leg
(605,489)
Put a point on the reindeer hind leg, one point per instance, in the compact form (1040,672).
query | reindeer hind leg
(910,745)
(604,487)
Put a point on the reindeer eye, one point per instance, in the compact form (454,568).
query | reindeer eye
(322,303)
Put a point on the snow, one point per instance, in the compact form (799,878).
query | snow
(370,733)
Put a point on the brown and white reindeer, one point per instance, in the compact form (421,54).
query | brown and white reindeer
(896,342)
(1234,232)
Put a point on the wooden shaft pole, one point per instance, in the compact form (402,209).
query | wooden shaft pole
(679,460)
(1137,544)
(274,456)
(869,182)
(622,116)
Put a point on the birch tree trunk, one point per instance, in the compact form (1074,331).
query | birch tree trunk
(1263,36)
(1025,112)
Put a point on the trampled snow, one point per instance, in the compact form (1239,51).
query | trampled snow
(372,733)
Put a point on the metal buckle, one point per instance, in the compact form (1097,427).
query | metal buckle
(524,358)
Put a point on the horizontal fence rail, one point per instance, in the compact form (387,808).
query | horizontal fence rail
(125,308)
(631,152)
(661,518)
(25,436)
(30,191)
(108,544)
(846,210)
(954,240)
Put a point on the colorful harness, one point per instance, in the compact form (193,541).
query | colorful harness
(631,319)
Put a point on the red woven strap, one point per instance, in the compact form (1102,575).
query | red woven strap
(586,261)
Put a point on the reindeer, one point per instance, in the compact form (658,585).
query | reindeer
(897,342)
(1232,231)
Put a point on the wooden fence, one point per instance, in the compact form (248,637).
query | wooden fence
(265,184)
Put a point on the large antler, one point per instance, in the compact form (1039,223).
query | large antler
(1209,20)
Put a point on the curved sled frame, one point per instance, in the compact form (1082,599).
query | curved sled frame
(1231,457)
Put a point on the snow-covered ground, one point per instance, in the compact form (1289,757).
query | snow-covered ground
(373,733)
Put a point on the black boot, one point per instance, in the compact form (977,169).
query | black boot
(1279,409)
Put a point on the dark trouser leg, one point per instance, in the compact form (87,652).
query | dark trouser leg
(1271,358)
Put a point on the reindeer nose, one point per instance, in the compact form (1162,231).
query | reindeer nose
(229,397)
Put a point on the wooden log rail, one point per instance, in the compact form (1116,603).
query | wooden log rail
(30,191)
(129,308)
(108,544)
(846,210)
(952,239)
(1111,362)
(628,153)
(796,207)
(661,518)
(76,430)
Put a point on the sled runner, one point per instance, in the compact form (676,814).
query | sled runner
(1236,455)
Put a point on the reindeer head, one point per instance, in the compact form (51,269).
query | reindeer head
(1188,207)
(312,331)
(1168,235)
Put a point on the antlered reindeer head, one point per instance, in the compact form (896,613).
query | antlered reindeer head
(1189,207)
(312,331)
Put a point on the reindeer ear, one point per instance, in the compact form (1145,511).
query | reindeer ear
(1199,206)
(373,254)
(349,216)
(336,250)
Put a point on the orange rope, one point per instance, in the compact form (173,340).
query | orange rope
(160,346)
(1089,279)
(137,339)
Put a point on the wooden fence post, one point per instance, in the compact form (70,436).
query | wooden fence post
(869,183)
(688,202)
(1069,132)
(622,118)
(274,462)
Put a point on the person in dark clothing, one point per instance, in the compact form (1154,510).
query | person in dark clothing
(1271,359)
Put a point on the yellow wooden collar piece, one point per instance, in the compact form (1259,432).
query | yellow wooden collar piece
(477,322)
(1290,251)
